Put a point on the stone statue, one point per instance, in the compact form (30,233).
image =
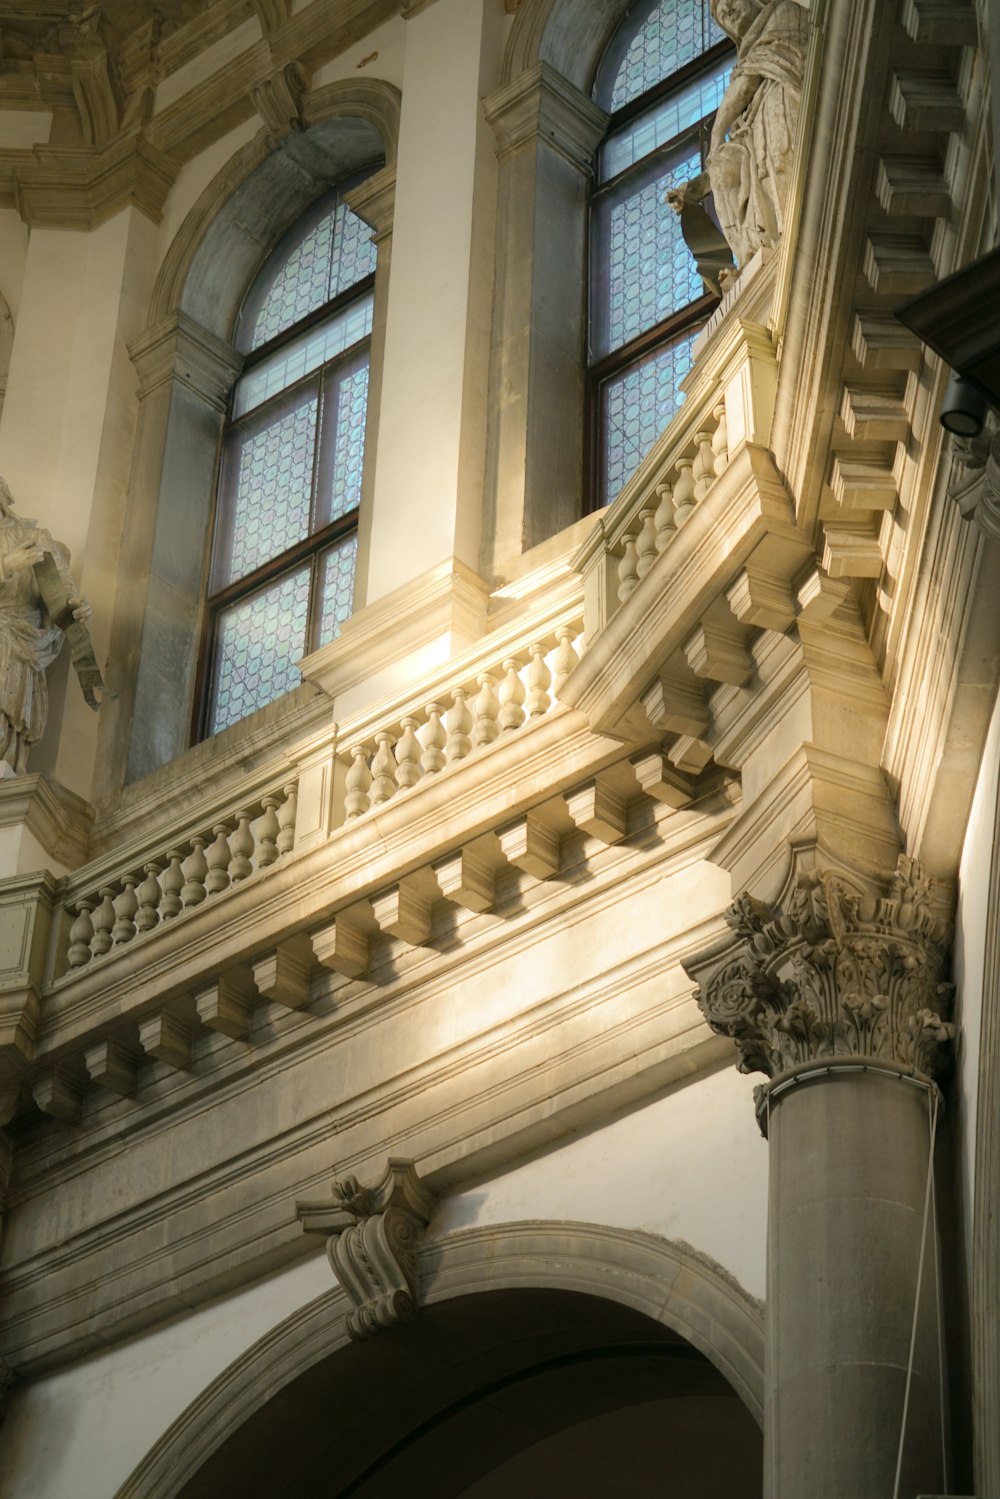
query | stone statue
(39,604)
(753,136)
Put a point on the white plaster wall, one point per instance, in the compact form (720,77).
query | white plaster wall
(429,444)
(212,60)
(68,423)
(691,1166)
(13,257)
(970,951)
(81,1432)
(379,55)
(21,128)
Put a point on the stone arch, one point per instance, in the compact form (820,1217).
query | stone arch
(186,366)
(568,35)
(670,1283)
(346,125)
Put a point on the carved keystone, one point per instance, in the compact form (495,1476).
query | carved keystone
(372,1242)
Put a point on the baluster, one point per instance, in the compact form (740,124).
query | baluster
(383,770)
(704,465)
(148,894)
(684,491)
(666,526)
(537,700)
(720,441)
(172,884)
(359,780)
(287,813)
(267,832)
(435,740)
(104,921)
(241,849)
(628,574)
(645,543)
(408,755)
(81,934)
(195,870)
(126,904)
(458,722)
(217,858)
(486,710)
(511,697)
(565,658)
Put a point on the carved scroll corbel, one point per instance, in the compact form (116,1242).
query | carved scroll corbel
(279,100)
(372,1242)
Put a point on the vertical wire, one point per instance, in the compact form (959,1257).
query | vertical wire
(940,1326)
(772,1308)
(932,1109)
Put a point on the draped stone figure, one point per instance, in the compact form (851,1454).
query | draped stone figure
(31,634)
(753,135)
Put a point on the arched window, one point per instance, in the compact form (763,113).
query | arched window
(661,80)
(285,536)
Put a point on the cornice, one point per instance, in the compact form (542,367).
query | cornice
(449,597)
(748,510)
(373,201)
(541,105)
(178,348)
(58,818)
(61,187)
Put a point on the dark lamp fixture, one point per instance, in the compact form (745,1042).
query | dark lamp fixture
(963,410)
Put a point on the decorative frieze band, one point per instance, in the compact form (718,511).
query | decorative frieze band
(372,1241)
(837,972)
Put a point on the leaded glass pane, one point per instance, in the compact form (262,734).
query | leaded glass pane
(637,405)
(258,643)
(674,33)
(644,271)
(333,255)
(269,481)
(665,121)
(303,355)
(344,411)
(337,588)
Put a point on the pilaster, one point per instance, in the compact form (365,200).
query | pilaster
(546,133)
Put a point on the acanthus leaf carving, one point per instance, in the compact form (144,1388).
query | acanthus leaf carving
(838,972)
(373,1237)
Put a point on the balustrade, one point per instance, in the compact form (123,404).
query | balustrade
(488,706)
(210,861)
(683,484)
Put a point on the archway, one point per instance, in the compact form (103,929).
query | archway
(540,1349)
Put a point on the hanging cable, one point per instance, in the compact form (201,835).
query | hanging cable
(933,1109)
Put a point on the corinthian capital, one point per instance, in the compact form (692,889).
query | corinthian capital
(837,971)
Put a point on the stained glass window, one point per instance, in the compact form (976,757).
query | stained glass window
(293,455)
(662,78)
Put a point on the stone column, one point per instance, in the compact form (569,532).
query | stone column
(835,994)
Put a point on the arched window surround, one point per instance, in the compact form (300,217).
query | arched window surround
(186,364)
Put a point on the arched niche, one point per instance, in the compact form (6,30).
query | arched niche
(186,365)
(525,1298)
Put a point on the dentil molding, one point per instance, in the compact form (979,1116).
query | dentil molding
(373,1237)
(834,971)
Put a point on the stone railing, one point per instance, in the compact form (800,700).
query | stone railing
(494,699)
(729,399)
(686,480)
(166,882)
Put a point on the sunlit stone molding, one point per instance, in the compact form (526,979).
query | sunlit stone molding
(975,485)
(835,971)
(373,1240)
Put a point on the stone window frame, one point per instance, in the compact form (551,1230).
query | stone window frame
(186,365)
(547,129)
